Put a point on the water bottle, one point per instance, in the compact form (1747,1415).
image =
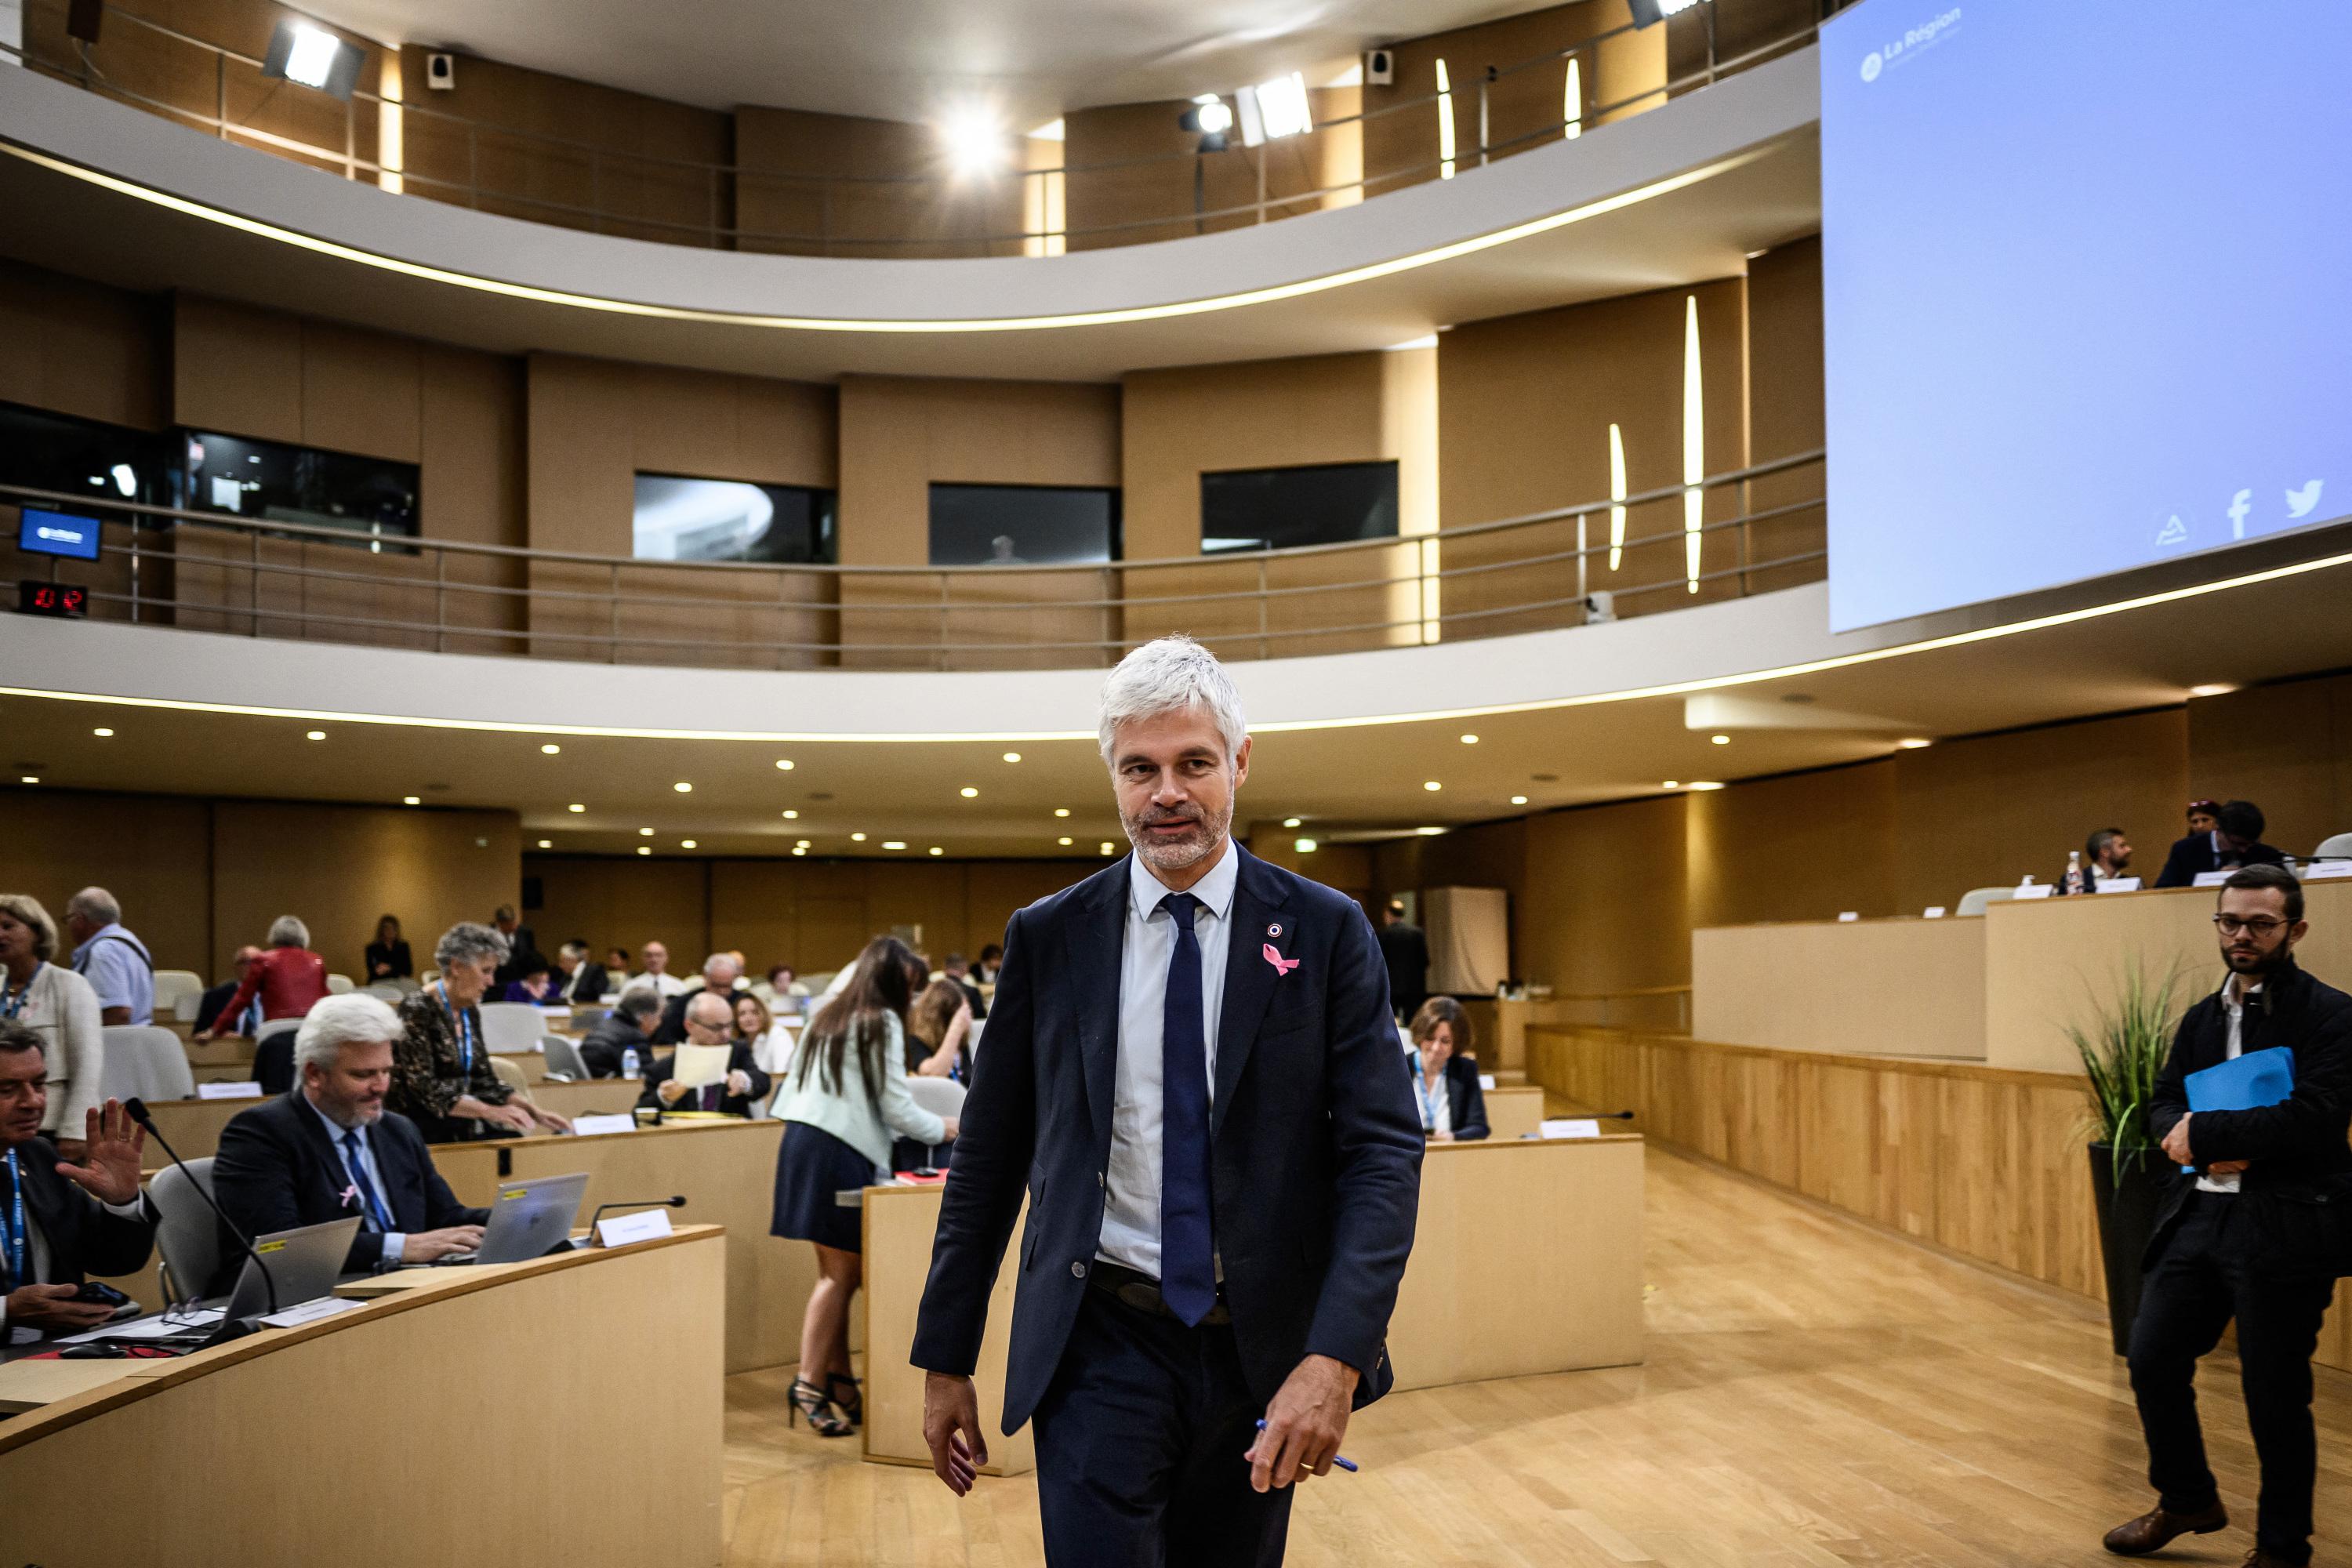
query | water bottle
(2073,883)
(629,1062)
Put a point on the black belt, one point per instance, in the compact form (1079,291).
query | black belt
(1133,1287)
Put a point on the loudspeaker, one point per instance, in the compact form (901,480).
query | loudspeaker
(82,19)
(441,72)
(1379,67)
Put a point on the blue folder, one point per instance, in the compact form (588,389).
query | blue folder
(2243,1083)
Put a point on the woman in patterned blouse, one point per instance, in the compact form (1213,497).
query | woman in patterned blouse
(441,1074)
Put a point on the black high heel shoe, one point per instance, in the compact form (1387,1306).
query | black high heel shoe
(809,1400)
(842,1390)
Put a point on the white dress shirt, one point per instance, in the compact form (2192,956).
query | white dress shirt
(1436,1106)
(1131,1227)
(2231,1050)
(394,1242)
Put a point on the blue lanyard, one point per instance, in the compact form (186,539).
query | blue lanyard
(17,1230)
(462,1022)
(1428,1106)
(13,1002)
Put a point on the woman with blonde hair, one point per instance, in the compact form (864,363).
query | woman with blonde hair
(57,1005)
(937,1026)
(1445,1083)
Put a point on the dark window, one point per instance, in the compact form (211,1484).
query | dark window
(84,458)
(1280,508)
(271,481)
(1022,525)
(682,519)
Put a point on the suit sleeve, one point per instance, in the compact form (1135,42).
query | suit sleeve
(986,1174)
(1472,1123)
(656,1074)
(1378,1144)
(2168,1103)
(2176,872)
(2307,1124)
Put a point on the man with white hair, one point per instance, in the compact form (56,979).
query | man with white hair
(721,973)
(1190,1076)
(329,1149)
(116,963)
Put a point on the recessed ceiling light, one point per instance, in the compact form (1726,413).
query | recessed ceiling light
(412,800)
(1104,847)
(785,763)
(683,787)
(645,833)
(575,808)
(858,838)
(547,844)
(1061,811)
(937,850)
(644,849)
(968,792)
(30,778)
(1432,785)
(1518,800)
(802,843)
(1914,744)
(1012,756)
(894,843)
(791,816)
(800,848)
(1064,841)
(1720,740)
(2210,690)
(551,749)
(685,844)
(1469,739)
(318,734)
(1304,846)
(103,734)
(1292,821)
(1673,783)
(1429,832)
(1704,784)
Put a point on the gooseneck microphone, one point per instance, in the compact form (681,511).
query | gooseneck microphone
(674,1202)
(138,1113)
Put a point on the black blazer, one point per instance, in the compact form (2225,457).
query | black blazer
(1465,1102)
(276,1170)
(208,1009)
(593,983)
(2296,1146)
(84,1240)
(396,955)
(1315,1150)
(2193,857)
(273,1062)
(601,1048)
(738,1060)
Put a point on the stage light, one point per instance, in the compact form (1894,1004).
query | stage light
(311,57)
(1212,115)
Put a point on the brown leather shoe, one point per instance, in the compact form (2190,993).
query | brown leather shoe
(2155,1529)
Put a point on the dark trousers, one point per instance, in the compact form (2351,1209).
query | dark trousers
(1139,1443)
(2197,1287)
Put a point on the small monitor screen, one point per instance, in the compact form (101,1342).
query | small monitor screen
(1283,509)
(57,534)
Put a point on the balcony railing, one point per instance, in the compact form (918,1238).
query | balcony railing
(1732,534)
(406,145)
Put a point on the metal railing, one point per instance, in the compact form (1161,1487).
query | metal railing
(452,158)
(1561,567)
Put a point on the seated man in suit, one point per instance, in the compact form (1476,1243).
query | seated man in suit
(709,1021)
(2236,841)
(208,1010)
(629,1027)
(58,1235)
(721,973)
(329,1149)
(576,979)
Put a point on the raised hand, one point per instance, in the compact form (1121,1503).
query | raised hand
(109,1169)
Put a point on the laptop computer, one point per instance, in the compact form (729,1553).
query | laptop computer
(303,1264)
(528,1219)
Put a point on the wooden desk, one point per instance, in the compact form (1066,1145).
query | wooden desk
(621,1467)
(726,1170)
(1891,987)
(194,1126)
(1554,1224)
(1514,1111)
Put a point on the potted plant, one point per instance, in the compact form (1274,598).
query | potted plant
(2122,1054)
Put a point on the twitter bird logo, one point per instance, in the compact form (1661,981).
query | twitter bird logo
(2302,503)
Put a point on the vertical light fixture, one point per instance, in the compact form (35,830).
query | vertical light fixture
(1445,123)
(391,153)
(1573,101)
(1616,497)
(1043,191)
(1694,446)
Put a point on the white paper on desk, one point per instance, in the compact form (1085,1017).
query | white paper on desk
(619,1122)
(2319,871)
(699,1067)
(2117,885)
(243,1089)
(623,1228)
(310,1311)
(1935,912)
(2212,879)
(1486,1081)
(2029,892)
(1573,1127)
(156,1328)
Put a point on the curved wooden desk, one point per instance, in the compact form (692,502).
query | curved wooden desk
(428,1426)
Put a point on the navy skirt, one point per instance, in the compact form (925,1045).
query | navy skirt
(811,1167)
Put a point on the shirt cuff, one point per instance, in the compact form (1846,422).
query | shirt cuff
(394,1241)
(135,1209)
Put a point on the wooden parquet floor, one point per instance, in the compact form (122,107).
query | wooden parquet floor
(1817,1392)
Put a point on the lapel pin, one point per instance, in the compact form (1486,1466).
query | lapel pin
(1274,930)
(1281,965)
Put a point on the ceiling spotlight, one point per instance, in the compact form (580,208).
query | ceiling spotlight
(644,849)
(36,778)
(318,734)
(551,749)
(547,844)
(800,848)
(1704,784)
(1469,739)
(858,838)
(784,764)
(2214,690)
(575,808)
(1518,800)
(1673,783)
(937,850)
(1429,832)
(1061,811)
(1914,744)
(312,58)
(1292,821)
(685,844)
(1720,740)
(1104,847)
(683,787)
(1304,846)
(1432,785)
(1648,12)
(103,734)
(894,843)
(412,800)
(968,792)
(1012,756)
(802,843)
(791,816)
(1063,840)
(645,833)
(974,144)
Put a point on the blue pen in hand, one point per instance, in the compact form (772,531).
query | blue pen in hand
(1343,1462)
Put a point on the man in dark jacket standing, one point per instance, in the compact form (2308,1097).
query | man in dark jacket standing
(1405,952)
(2247,1233)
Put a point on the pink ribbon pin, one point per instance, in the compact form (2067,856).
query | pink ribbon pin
(1281,965)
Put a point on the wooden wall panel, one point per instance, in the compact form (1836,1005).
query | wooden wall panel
(1133,171)
(2287,748)
(623,901)
(1604,907)
(1899,987)
(1802,846)
(781,206)
(152,852)
(82,348)
(1784,408)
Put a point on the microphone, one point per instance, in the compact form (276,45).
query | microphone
(677,1202)
(136,1108)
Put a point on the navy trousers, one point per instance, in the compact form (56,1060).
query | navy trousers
(1139,1443)
(2197,1287)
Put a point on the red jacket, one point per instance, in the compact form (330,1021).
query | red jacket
(290,981)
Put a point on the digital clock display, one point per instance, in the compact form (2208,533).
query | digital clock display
(65,599)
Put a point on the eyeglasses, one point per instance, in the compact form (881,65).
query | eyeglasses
(2262,927)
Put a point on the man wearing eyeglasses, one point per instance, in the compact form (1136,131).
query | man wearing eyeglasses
(2248,1232)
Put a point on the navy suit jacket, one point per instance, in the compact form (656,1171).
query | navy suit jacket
(84,1240)
(2193,857)
(276,1170)
(1315,1150)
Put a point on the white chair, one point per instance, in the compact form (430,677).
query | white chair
(177,992)
(144,1062)
(511,1075)
(940,1097)
(386,991)
(511,1026)
(563,1058)
(2336,847)
(339,984)
(1974,901)
(187,1238)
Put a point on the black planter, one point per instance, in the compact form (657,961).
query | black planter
(2127,1219)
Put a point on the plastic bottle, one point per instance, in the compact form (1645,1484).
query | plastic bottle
(629,1062)
(2074,882)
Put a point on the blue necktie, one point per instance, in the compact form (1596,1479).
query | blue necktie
(1188,1275)
(360,1179)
